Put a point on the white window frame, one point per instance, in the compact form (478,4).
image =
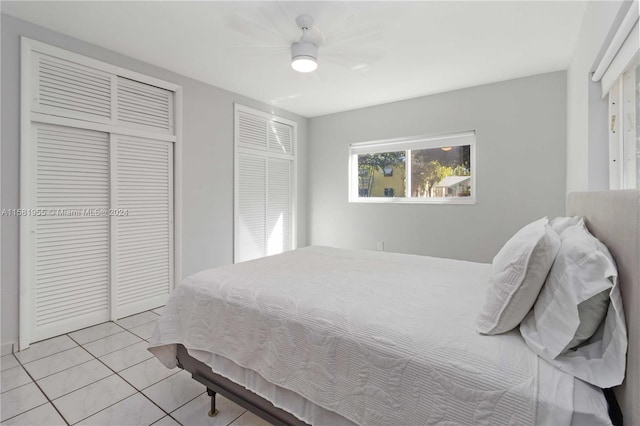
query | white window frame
(622,130)
(30,115)
(616,72)
(407,144)
(294,178)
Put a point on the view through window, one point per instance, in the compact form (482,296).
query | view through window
(423,169)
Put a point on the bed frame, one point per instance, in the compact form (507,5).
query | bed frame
(612,216)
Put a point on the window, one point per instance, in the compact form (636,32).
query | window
(619,75)
(624,130)
(425,169)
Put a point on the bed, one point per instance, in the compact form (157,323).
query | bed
(364,341)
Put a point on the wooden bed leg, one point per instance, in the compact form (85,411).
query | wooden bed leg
(213,410)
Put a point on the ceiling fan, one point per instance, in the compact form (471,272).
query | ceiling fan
(304,53)
(305,45)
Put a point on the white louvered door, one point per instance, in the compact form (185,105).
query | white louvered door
(143,238)
(144,106)
(97,192)
(69,89)
(264,179)
(71,250)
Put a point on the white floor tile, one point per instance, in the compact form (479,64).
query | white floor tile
(147,373)
(45,348)
(135,410)
(127,357)
(19,400)
(88,400)
(111,343)
(250,419)
(73,378)
(8,361)
(44,415)
(138,319)
(96,332)
(159,310)
(174,391)
(196,412)
(144,331)
(166,421)
(13,378)
(6,349)
(58,362)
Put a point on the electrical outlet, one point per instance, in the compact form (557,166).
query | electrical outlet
(380,246)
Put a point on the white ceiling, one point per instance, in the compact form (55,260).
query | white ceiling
(374,52)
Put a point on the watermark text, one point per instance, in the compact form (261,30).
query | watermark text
(99,212)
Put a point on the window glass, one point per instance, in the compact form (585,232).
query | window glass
(419,170)
(382,174)
(441,172)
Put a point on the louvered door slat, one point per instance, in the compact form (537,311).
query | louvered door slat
(144,238)
(144,106)
(71,283)
(71,90)
(54,285)
(278,205)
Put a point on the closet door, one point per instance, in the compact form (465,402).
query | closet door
(71,232)
(97,171)
(142,185)
(263,207)
(264,182)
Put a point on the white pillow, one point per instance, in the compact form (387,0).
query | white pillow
(559,224)
(582,271)
(519,271)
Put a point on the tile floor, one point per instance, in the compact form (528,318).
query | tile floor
(104,375)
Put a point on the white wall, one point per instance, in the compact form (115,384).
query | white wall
(520,157)
(207,162)
(587,134)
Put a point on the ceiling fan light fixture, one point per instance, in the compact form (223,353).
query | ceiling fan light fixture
(304,56)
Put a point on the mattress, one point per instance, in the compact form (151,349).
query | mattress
(371,338)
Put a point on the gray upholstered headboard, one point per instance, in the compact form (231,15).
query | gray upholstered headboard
(614,217)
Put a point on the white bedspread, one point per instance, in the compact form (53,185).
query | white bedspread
(378,338)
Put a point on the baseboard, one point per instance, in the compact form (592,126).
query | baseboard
(7,348)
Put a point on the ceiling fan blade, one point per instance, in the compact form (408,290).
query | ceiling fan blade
(257,31)
(350,57)
(276,15)
(362,33)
